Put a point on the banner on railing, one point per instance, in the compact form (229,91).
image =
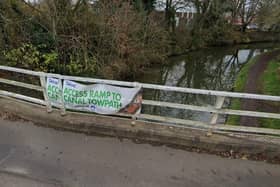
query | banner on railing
(98,98)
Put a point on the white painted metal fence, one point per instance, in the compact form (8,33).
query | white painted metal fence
(215,110)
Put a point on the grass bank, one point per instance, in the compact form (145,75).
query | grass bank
(269,84)
(239,86)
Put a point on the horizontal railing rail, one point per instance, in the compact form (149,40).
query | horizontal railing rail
(145,85)
(216,109)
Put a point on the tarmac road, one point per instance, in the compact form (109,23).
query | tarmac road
(32,156)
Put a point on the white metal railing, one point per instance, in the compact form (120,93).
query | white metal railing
(216,109)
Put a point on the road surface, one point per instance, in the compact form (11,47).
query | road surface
(32,156)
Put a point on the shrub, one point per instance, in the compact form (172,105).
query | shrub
(29,57)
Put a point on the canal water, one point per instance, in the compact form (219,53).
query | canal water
(213,68)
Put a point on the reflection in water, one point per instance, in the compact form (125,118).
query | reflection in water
(211,69)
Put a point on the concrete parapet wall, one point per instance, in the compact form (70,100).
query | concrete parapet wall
(145,131)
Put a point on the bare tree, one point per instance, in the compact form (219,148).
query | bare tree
(171,7)
(246,10)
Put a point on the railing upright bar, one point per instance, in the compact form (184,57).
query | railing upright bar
(43,85)
(63,109)
(134,116)
(218,105)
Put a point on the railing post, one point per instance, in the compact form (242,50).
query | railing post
(218,105)
(135,116)
(46,98)
(63,109)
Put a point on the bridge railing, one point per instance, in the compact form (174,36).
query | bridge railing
(215,110)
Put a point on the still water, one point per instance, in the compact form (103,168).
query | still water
(213,69)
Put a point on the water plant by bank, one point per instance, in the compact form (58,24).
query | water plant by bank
(262,76)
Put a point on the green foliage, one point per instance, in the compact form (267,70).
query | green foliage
(269,15)
(29,57)
(108,38)
(271,78)
(270,123)
(233,119)
(75,67)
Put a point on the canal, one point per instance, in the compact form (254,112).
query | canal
(213,68)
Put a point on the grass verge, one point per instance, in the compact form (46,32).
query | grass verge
(271,86)
(239,86)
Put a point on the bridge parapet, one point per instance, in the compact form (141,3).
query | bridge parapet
(215,110)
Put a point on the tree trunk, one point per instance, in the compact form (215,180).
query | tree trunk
(244,28)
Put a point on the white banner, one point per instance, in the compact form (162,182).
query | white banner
(98,98)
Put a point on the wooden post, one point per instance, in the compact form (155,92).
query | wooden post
(43,85)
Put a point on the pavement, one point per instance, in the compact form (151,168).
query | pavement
(32,156)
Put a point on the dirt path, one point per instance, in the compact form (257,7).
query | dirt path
(252,86)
